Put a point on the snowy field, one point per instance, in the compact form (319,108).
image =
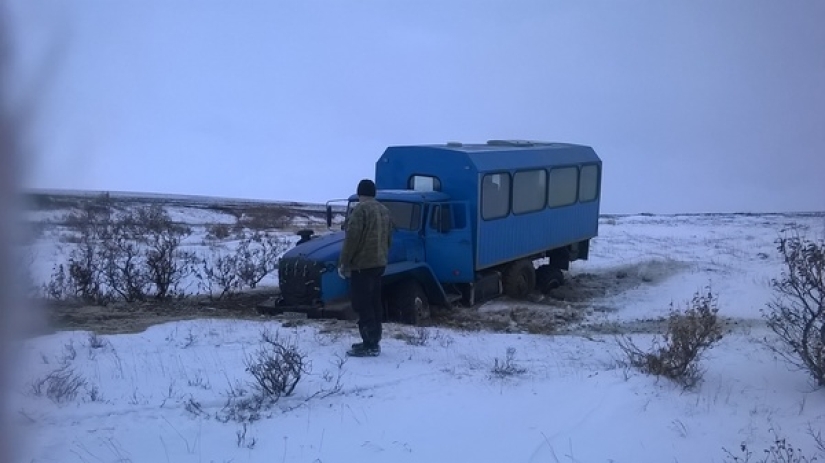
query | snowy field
(160,395)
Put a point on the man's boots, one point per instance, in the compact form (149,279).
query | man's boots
(362,350)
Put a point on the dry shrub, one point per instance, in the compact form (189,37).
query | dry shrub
(688,335)
(780,451)
(218,231)
(122,255)
(217,274)
(265,217)
(276,367)
(797,312)
(508,366)
(224,273)
(257,256)
(61,385)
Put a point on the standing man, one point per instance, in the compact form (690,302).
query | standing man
(363,260)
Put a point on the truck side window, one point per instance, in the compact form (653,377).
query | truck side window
(589,183)
(529,191)
(495,196)
(564,186)
(459,216)
(441,218)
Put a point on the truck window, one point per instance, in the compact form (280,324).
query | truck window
(589,183)
(405,216)
(424,183)
(495,196)
(459,216)
(441,214)
(563,186)
(529,191)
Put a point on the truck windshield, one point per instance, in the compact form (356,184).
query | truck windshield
(405,216)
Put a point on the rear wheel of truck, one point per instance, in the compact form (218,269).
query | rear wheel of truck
(408,301)
(519,279)
(548,278)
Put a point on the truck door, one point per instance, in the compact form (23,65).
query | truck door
(448,242)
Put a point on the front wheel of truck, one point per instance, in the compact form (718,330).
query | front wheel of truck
(408,301)
(519,279)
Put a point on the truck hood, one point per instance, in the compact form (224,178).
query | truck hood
(321,249)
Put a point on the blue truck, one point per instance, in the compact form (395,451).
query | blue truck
(471,222)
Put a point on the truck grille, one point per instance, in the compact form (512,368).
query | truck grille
(300,281)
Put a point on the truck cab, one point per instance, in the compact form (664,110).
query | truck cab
(470,222)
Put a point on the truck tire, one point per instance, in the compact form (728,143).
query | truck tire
(409,302)
(519,279)
(548,278)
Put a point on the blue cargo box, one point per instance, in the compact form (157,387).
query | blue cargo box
(524,197)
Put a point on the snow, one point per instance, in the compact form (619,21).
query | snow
(441,402)
(197,216)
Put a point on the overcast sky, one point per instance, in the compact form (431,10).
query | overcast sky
(694,106)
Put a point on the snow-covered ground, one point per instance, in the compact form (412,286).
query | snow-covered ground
(157,396)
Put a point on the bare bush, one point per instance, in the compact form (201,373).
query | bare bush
(265,217)
(69,353)
(257,256)
(276,367)
(122,255)
(84,277)
(820,441)
(85,274)
(244,409)
(59,286)
(61,385)
(137,253)
(225,273)
(144,251)
(194,407)
(243,441)
(507,367)
(217,274)
(797,312)
(218,231)
(423,336)
(199,382)
(166,263)
(91,214)
(93,394)
(124,269)
(689,334)
(334,379)
(190,340)
(780,451)
(96,341)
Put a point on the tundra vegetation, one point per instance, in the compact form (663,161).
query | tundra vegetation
(140,254)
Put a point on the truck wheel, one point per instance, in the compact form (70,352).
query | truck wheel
(548,278)
(409,301)
(519,279)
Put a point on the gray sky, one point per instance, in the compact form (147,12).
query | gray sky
(694,106)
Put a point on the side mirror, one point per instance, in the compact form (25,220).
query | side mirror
(329,216)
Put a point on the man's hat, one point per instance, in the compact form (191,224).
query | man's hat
(366,187)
